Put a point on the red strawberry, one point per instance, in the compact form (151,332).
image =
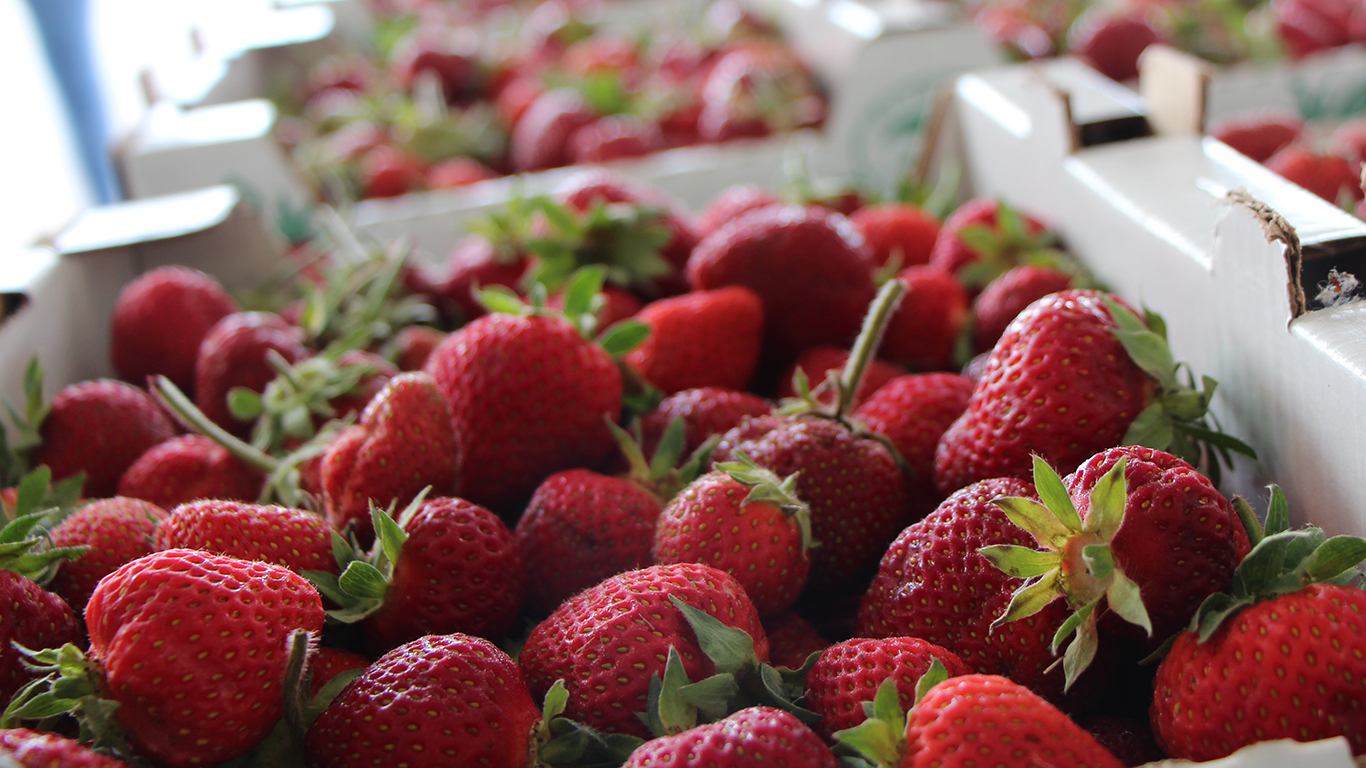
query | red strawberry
(477,263)
(31,749)
(580,528)
(1111,42)
(528,396)
(438,701)
(629,623)
(327,663)
(1007,296)
(387,171)
(747,522)
(187,468)
(925,329)
(456,69)
(117,530)
(755,89)
(1330,177)
(199,680)
(1259,135)
(293,538)
(458,172)
(412,345)
(705,411)
(849,674)
(792,639)
(353,402)
(401,446)
(100,428)
(1127,738)
(1349,139)
(617,305)
(897,231)
(540,138)
(795,259)
(701,339)
(235,354)
(614,137)
(34,618)
(141,341)
(731,204)
(603,53)
(817,363)
(978,241)
(913,412)
(1309,26)
(755,735)
(516,97)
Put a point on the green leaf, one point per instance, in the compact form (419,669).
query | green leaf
(1036,519)
(1126,599)
(1214,611)
(669,449)
(244,403)
(1277,512)
(933,676)
(1150,353)
(676,714)
(623,336)
(1021,562)
(1082,651)
(389,536)
(980,239)
(1030,598)
(1335,556)
(32,489)
(363,580)
(1152,428)
(1251,526)
(1108,498)
(328,586)
(730,649)
(583,286)
(499,299)
(1054,495)
(1100,562)
(712,696)
(556,699)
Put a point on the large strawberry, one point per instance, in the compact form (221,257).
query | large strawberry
(34,618)
(1007,296)
(159,320)
(757,735)
(897,233)
(731,203)
(236,353)
(31,749)
(701,339)
(924,332)
(441,700)
(188,468)
(293,538)
(100,428)
(117,530)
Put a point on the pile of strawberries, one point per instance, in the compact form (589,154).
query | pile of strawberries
(541,507)
(449,98)
(1326,161)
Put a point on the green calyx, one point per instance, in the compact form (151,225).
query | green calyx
(16,450)
(24,544)
(299,394)
(69,686)
(1007,245)
(662,474)
(880,740)
(1076,562)
(1282,561)
(1177,418)
(582,301)
(570,744)
(364,577)
(766,487)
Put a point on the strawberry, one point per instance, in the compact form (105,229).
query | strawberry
(528,397)
(458,172)
(1063,383)
(758,735)
(817,363)
(794,259)
(1127,738)
(431,55)
(1330,177)
(849,673)
(328,663)
(388,171)
(913,412)
(441,700)
(701,339)
(30,749)
(792,639)
(731,203)
(117,530)
(292,538)
(630,618)
(1007,296)
(705,411)
(745,521)
(100,428)
(236,353)
(1279,656)
(614,137)
(1111,42)
(897,233)
(410,347)
(617,304)
(1259,135)
(400,446)
(754,89)
(925,329)
(1309,26)
(34,618)
(984,238)
(187,468)
(1349,139)
(478,262)
(142,343)
(541,137)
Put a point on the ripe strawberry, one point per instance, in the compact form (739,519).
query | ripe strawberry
(1007,296)
(925,329)
(913,412)
(795,259)
(1111,42)
(1128,738)
(1330,177)
(754,89)
(388,171)
(457,70)
(477,262)
(412,345)
(30,749)
(1309,26)
(34,618)
(747,522)
(400,446)
(617,305)
(528,397)
(758,735)
(141,341)
(458,172)
(983,239)
(235,354)
(100,428)
(442,700)
(198,681)
(817,363)
(1349,139)
(117,530)
(293,538)
(705,411)
(630,619)
(540,138)
(731,203)
(1259,135)
(701,339)
(792,639)
(613,138)
(329,662)
(187,468)
(849,673)
(897,232)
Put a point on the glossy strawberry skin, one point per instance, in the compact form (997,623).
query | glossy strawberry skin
(1290,667)
(1058,384)
(388,171)
(31,749)
(849,673)
(580,528)
(897,228)
(1259,135)
(701,339)
(924,330)
(628,623)
(540,138)
(142,341)
(990,719)
(705,411)
(757,735)
(117,530)
(441,700)
(459,571)
(188,468)
(1007,296)
(34,618)
(234,354)
(528,397)
(292,538)
(100,428)
(731,204)
(791,639)
(176,664)
(404,427)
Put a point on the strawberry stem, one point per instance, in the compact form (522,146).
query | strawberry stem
(171,396)
(869,340)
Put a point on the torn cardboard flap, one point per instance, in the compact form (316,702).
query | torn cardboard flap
(1277,229)
(1175,87)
